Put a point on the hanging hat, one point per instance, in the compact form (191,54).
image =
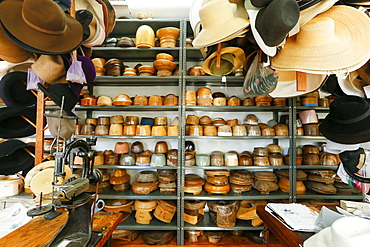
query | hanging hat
(6,67)
(353,84)
(13,90)
(14,158)
(218,23)
(232,58)
(353,161)
(51,69)
(10,51)
(94,7)
(40,25)
(287,83)
(252,12)
(109,16)
(323,43)
(56,92)
(348,120)
(67,124)
(356,2)
(13,125)
(274,21)
(64,4)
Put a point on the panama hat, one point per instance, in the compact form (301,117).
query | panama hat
(350,231)
(10,51)
(14,157)
(13,90)
(56,92)
(218,23)
(322,43)
(232,58)
(252,12)
(40,24)
(287,83)
(274,21)
(347,121)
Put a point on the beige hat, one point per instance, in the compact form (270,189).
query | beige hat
(232,58)
(218,23)
(287,83)
(334,40)
(67,124)
(50,69)
(353,84)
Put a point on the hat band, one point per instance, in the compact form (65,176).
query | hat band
(353,120)
(42,29)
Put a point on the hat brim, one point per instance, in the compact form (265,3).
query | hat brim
(238,54)
(346,84)
(14,158)
(25,36)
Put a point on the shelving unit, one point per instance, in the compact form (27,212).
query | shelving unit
(185,56)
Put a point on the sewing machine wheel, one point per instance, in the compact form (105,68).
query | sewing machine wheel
(39,210)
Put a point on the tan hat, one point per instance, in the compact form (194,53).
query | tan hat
(332,41)
(50,69)
(232,58)
(67,124)
(218,23)
(287,83)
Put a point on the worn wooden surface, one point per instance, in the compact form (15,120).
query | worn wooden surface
(106,223)
(37,232)
(231,241)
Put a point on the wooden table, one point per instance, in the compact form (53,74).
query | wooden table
(39,232)
(287,237)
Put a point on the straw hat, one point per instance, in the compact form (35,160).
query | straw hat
(287,84)
(40,25)
(218,23)
(323,43)
(232,58)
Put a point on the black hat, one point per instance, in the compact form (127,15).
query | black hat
(352,162)
(348,120)
(56,91)
(13,125)
(14,158)
(13,90)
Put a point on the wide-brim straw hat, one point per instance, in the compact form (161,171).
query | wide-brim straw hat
(287,84)
(332,41)
(237,57)
(347,121)
(218,23)
(40,25)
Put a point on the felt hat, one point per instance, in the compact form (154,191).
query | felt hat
(287,83)
(7,67)
(13,90)
(12,123)
(232,58)
(10,51)
(353,84)
(40,25)
(218,23)
(64,4)
(51,69)
(356,2)
(347,121)
(109,16)
(56,92)
(14,158)
(344,232)
(274,21)
(353,161)
(322,43)
(67,124)
(94,7)
(252,12)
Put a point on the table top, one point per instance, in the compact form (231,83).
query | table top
(287,237)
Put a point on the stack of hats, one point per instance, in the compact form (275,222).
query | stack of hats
(167,181)
(265,182)
(217,182)
(143,209)
(321,181)
(194,211)
(223,212)
(164,64)
(284,181)
(145,182)
(241,181)
(120,180)
(193,183)
(310,122)
(165,210)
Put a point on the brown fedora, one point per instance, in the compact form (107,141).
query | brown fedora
(40,24)
(50,69)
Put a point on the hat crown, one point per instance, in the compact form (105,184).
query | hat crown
(215,12)
(320,30)
(348,108)
(55,23)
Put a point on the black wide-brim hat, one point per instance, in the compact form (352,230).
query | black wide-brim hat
(13,90)
(348,121)
(56,92)
(14,158)
(13,125)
